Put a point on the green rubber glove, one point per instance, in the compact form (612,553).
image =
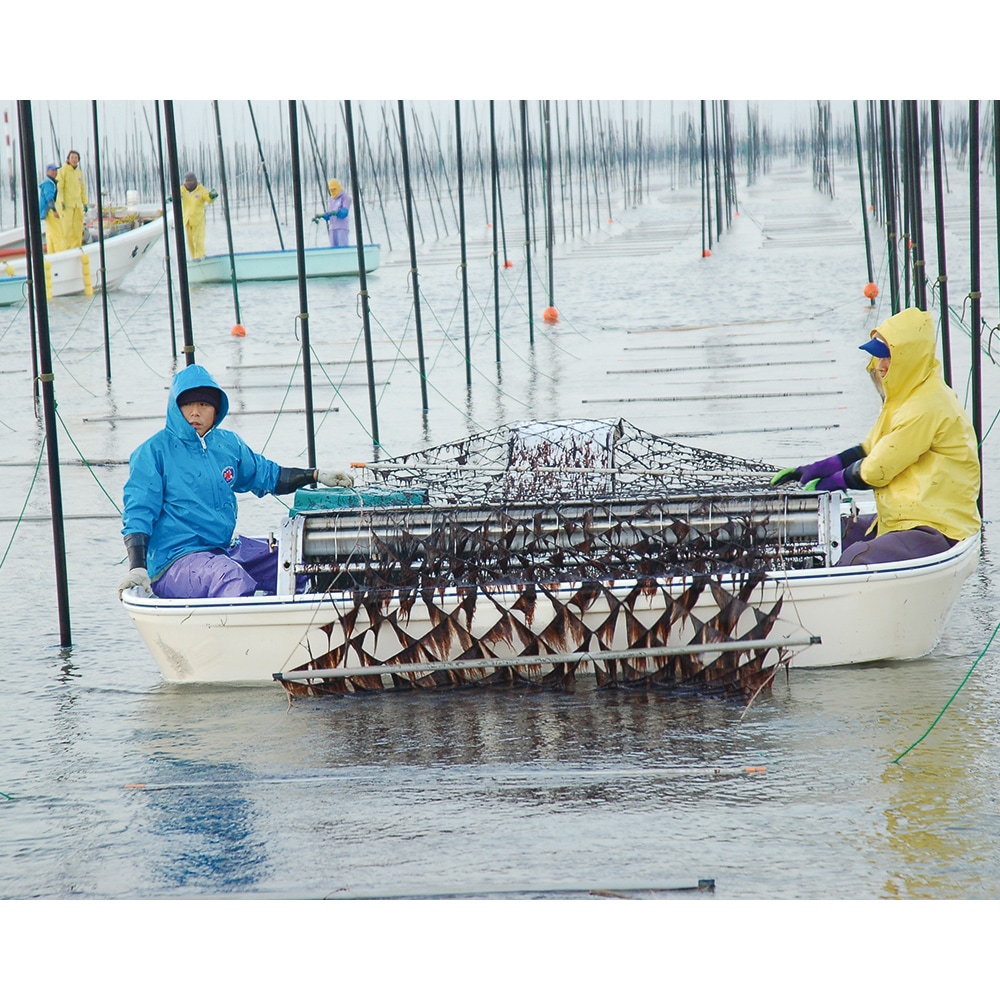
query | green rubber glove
(785,476)
(810,487)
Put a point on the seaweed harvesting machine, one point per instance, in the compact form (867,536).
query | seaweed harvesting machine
(539,551)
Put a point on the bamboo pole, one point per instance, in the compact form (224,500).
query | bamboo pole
(161,173)
(362,277)
(33,225)
(463,265)
(864,203)
(975,292)
(100,242)
(267,178)
(300,252)
(942,280)
(414,274)
(527,216)
(496,256)
(225,211)
(175,193)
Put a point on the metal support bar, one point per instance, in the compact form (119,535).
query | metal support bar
(736,645)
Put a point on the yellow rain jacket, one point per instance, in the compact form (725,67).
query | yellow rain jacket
(193,207)
(921,457)
(71,196)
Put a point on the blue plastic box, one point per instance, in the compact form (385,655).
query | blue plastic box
(312,498)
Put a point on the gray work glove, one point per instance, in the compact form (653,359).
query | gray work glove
(334,478)
(137,577)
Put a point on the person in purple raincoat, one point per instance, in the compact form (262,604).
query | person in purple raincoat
(179,517)
(337,209)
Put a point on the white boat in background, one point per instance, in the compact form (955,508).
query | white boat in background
(545,587)
(78,271)
(282,265)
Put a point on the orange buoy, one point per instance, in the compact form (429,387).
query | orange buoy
(239,330)
(551,314)
(508,263)
(871,291)
(706,253)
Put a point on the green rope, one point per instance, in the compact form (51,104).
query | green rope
(20,516)
(896,760)
(87,464)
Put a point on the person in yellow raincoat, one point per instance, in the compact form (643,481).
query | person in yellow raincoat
(71,200)
(194,198)
(921,458)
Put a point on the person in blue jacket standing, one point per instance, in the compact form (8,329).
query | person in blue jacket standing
(179,517)
(47,210)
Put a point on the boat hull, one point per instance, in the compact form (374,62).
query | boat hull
(282,265)
(73,272)
(894,611)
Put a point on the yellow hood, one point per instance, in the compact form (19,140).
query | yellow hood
(334,186)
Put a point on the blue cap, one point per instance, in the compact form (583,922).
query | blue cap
(876,348)
(52,166)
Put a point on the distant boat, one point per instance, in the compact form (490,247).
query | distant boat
(13,291)
(282,265)
(78,271)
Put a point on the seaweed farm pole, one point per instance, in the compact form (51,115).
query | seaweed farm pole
(864,203)
(527,215)
(362,275)
(225,212)
(919,258)
(461,232)
(413,253)
(300,256)
(890,205)
(166,229)
(496,252)
(975,293)
(267,179)
(175,194)
(32,324)
(942,279)
(550,216)
(46,377)
(100,241)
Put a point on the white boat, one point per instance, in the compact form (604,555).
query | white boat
(282,265)
(560,583)
(13,291)
(78,271)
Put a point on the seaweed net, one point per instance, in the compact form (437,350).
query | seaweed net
(546,460)
(586,539)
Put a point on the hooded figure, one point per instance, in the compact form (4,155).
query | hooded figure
(336,213)
(179,514)
(921,458)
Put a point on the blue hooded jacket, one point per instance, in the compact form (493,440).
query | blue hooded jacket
(180,489)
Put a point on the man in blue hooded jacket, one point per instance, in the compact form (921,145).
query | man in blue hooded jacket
(179,514)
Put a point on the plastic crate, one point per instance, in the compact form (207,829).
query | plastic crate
(311,498)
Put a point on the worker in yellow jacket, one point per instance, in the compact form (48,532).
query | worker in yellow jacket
(194,198)
(71,199)
(921,458)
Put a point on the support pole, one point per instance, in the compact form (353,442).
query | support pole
(975,291)
(46,377)
(464,265)
(300,254)
(414,274)
(942,279)
(175,194)
(362,275)
(225,210)
(100,241)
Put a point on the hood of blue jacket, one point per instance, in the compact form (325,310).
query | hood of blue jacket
(191,377)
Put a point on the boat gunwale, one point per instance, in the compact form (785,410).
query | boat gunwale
(813,577)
